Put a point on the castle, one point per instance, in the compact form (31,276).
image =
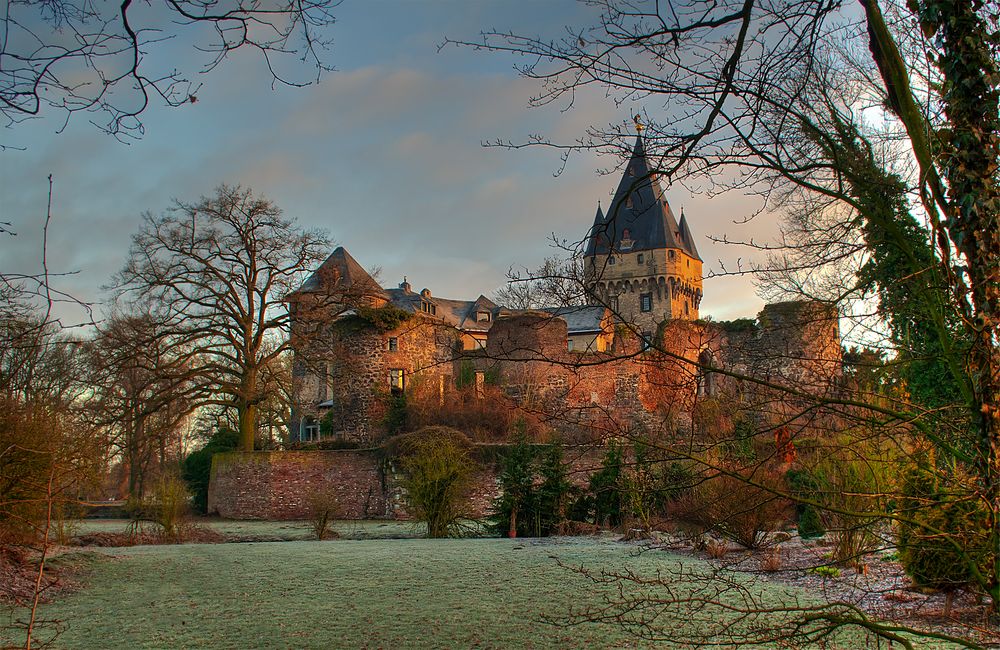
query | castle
(637,352)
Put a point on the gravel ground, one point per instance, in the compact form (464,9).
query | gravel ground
(879,586)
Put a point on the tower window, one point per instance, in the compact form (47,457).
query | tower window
(646,302)
(397,380)
(640,258)
(611,260)
(671,254)
(392,344)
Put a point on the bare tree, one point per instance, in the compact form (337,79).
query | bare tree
(882,129)
(139,395)
(217,273)
(74,56)
(558,282)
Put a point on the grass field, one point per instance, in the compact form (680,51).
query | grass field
(400,593)
(272,530)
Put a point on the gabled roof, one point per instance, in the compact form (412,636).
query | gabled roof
(344,270)
(640,217)
(460,314)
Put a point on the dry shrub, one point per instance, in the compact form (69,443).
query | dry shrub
(487,418)
(771,560)
(716,549)
(323,509)
(733,508)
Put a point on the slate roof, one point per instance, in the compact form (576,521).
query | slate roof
(345,268)
(457,313)
(640,217)
(586,319)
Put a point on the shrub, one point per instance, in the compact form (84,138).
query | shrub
(197,468)
(850,481)
(171,506)
(943,539)
(323,508)
(437,467)
(606,488)
(533,492)
(733,508)
(803,485)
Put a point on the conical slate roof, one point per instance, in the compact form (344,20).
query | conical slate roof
(639,217)
(343,269)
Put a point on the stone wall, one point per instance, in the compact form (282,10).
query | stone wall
(279,485)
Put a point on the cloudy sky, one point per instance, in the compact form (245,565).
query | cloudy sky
(386,154)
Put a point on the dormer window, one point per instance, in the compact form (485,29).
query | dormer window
(482,316)
(428,307)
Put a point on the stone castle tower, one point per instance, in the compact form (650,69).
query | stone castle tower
(639,260)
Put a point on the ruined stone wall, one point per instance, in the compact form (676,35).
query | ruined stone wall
(279,485)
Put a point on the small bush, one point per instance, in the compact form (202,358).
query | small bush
(771,561)
(437,465)
(171,507)
(733,508)
(825,571)
(943,541)
(850,480)
(323,509)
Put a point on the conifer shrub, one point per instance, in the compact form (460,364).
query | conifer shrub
(606,489)
(942,538)
(197,467)
(803,485)
(534,491)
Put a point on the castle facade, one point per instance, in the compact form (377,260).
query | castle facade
(637,352)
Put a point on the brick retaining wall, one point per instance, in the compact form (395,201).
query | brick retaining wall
(279,484)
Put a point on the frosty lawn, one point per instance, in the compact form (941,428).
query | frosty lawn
(404,593)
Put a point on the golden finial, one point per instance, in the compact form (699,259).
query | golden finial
(639,126)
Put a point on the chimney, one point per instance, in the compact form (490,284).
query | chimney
(425,293)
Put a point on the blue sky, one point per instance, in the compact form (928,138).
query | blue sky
(386,154)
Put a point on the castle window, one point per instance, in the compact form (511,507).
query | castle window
(569,344)
(640,258)
(611,261)
(706,378)
(397,381)
(671,254)
(310,432)
(646,342)
(392,344)
(613,303)
(646,302)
